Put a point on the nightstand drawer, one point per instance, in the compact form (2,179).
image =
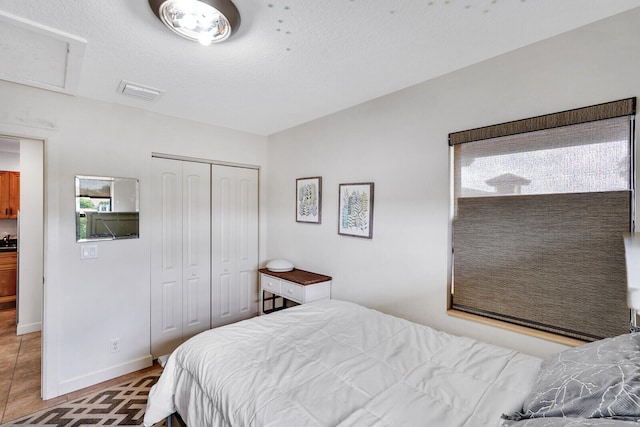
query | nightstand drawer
(270,284)
(292,291)
(296,286)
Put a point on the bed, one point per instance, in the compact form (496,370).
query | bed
(334,363)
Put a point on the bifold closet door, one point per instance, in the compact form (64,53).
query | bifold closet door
(234,244)
(180,252)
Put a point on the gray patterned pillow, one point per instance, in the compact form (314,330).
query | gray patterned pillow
(596,380)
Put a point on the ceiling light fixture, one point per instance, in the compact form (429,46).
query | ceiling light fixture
(204,21)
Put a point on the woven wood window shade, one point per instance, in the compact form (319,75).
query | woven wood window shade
(539,212)
(98,188)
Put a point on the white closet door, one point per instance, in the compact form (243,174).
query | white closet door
(196,254)
(180,266)
(234,243)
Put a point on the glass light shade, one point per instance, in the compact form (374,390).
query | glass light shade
(204,21)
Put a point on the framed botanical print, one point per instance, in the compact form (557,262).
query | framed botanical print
(309,199)
(355,210)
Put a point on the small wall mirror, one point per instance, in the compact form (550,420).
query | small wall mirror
(106,208)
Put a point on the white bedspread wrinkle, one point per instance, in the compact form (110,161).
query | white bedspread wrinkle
(334,363)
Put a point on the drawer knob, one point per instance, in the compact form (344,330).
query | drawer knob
(290,291)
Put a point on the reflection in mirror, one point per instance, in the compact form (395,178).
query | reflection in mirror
(106,208)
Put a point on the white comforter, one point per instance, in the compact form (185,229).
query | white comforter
(333,363)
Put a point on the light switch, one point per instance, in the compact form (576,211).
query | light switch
(88,251)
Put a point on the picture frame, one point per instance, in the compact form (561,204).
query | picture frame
(309,200)
(355,209)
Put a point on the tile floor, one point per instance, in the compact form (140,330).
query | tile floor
(20,373)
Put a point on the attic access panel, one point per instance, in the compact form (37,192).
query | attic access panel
(39,56)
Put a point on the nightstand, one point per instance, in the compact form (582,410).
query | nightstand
(299,286)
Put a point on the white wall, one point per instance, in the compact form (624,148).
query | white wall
(8,226)
(88,302)
(31,255)
(400,142)
(9,161)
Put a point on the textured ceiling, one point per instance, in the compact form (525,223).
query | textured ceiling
(292,61)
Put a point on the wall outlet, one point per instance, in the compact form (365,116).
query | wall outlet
(115,345)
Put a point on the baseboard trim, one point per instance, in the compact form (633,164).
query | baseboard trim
(77,383)
(29,328)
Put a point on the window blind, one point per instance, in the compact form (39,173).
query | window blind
(98,188)
(539,210)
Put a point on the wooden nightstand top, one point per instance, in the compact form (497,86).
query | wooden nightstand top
(301,277)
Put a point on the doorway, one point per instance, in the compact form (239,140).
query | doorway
(22,321)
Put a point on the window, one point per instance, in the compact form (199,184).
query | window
(539,209)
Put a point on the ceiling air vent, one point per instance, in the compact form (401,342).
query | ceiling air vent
(139,91)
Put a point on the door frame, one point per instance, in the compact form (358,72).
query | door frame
(208,161)
(51,140)
(30,276)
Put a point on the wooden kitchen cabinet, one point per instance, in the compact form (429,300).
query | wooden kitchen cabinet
(8,277)
(9,194)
